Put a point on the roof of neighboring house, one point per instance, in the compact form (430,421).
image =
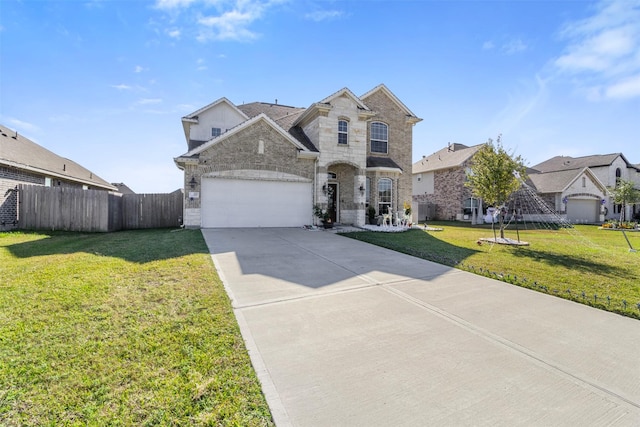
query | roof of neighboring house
(558,181)
(22,153)
(553,182)
(559,163)
(449,157)
(123,188)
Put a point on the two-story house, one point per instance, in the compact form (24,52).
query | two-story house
(439,189)
(604,170)
(267,165)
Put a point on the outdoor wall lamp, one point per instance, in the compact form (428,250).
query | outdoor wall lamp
(324,188)
(193,182)
(361,188)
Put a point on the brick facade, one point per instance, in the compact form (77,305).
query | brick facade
(9,180)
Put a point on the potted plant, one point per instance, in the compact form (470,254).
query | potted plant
(371,213)
(324,216)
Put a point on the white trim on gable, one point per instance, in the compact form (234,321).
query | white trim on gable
(412,118)
(192,118)
(347,92)
(594,178)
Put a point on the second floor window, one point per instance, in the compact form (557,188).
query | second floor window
(343,132)
(379,138)
(216,132)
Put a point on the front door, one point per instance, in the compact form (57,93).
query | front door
(333,202)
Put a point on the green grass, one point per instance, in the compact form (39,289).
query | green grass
(584,264)
(127,328)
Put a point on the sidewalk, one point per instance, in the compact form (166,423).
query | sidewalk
(342,333)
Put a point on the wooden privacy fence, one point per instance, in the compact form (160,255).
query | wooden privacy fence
(75,209)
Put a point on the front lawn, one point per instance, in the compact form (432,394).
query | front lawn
(129,328)
(584,264)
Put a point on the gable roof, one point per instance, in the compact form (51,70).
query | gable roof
(452,156)
(345,92)
(260,117)
(22,153)
(559,163)
(559,181)
(382,88)
(193,117)
(284,115)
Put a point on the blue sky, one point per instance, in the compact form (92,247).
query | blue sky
(105,83)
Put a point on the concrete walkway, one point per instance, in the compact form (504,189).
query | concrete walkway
(343,333)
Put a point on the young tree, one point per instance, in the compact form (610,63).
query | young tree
(624,194)
(495,175)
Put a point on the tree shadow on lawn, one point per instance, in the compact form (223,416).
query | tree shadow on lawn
(571,262)
(417,243)
(138,246)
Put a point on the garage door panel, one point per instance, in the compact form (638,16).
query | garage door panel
(581,210)
(247,203)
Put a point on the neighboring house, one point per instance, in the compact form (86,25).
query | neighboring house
(123,188)
(267,165)
(577,195)
(439,188)
(605,171)
(22,161)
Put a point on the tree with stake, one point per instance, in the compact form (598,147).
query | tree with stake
(495,175)
(624,194)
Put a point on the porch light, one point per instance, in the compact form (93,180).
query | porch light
(193,182)
(324,188)
(361,188)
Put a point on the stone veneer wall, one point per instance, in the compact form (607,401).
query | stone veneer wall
(400,148)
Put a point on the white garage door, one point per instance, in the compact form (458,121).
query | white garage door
(582,211)
(252,203)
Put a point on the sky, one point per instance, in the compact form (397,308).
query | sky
(105,83)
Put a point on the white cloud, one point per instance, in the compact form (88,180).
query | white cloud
(603,51)
(628,88)
(488,45)
(22,125)
(138,69)
(514,46)
(173,4)
(174,33)
(324,15)
(149,101)
(214,20)
(122,87)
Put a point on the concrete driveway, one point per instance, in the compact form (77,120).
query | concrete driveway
(343,333)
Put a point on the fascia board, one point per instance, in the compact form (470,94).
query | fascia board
(57,175)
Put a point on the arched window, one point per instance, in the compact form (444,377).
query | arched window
(618,176)
(384,195)
(379,138)
(343,132)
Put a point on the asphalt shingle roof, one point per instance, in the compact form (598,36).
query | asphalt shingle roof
(20,152)
(283,115)
(559,163)
(449,157)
